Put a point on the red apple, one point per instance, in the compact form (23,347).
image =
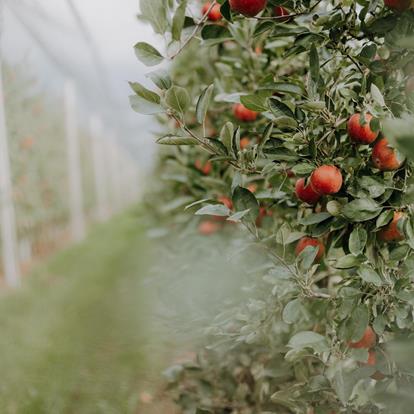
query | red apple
(208,227)
(204,168)
(249,8)
(215,14)
(386,158)
(305,192)
(244,142)
(243,114)
(368,340)
(399,5)
(326,179)
(361,134)
(282,13)
(391,232)
(310,241)
(226,201)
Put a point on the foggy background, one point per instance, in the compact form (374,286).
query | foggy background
(97,51)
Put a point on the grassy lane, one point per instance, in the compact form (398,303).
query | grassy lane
(75,338)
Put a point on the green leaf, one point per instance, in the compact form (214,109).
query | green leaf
(373,185)
(307,257)
(145,93)
(362,209)
(347,262)
(236,217)
(161,78)
(303,168)
(369,275)
(314,63)
(315,218)
(377,95)
(256,102)
(176,140)
(203,104)
(383,25)
(243,199)
(226,135)
(215,31)
(213,210)
(155,12)
(358,240)
(344,381)
(293,237)
(177,98)
(147,54)
(399,252)
(308,339)
(379,324)
(178,20)
(288,88)
(279,108)
(292,311)
(218,146)
(142,106)
(357,323)
(384,218)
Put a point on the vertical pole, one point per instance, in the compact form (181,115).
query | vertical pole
(118,176)
(98,159)
(111,154)
(7,214)
(77,219)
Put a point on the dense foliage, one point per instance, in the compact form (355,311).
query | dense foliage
(296,123)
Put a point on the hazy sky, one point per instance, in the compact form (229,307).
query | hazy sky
(43,35)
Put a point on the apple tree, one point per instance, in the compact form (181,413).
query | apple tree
(294,120)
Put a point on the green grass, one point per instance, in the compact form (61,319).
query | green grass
(75,338)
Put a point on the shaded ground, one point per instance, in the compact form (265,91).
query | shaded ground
(76,337)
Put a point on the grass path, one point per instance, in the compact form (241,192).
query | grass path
(75,337)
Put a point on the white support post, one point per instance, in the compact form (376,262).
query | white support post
(77,219)
(8,219)
(112,168)
(98,159)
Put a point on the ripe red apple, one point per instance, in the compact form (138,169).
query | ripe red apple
(304,242)
(226,201)
(386,158)
(391,231)
(249,8)
(361,134)
(215,14)
(243,114)
(326,179)
(399,5)
(244,142)
(305,192)
(208,227)
(367,341)
(204,168)
(282,13)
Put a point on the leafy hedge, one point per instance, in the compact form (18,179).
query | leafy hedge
(295,122)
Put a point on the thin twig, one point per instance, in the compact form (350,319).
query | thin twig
(195,31)
(354,62)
